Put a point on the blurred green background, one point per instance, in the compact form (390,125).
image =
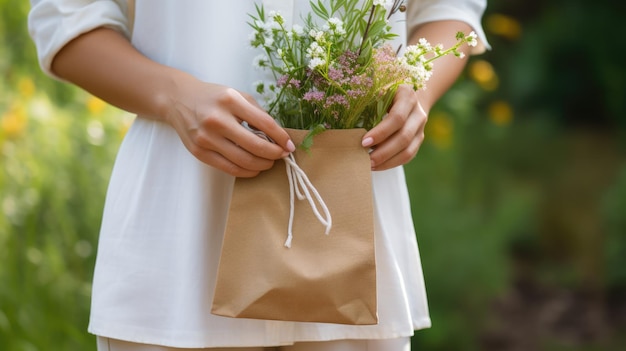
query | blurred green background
(519,192)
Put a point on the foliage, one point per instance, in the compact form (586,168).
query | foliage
(343,73)
(56,165)
(56,149)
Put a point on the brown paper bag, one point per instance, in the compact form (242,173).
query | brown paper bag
(320,278)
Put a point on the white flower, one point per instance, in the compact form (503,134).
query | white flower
(385,3)
(418,74)
(252,39)
(335,26)
(316,62)
(413,54)
(259,86)
(261,61)
(472,39)
(266,91)
(315,50)
(318,36)
(297,30)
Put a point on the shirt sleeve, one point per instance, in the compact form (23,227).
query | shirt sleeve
(468,11)
(54,23)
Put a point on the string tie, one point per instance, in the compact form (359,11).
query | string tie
(301,187)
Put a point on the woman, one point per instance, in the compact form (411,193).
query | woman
(185,73)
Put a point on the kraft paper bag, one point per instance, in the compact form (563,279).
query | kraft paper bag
(327,278)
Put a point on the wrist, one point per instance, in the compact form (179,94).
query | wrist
(169,94)
(424,100)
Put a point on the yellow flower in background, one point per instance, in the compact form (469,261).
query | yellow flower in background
(95,106)
(440,130)
(483,73)
(504,26)
(500,113)
(26,87)
(14,121)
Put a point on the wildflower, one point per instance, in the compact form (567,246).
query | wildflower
(313,96)
(259,87)
(334,26)
(297,30)
(95,105)
(339,72)
(318,35)
(316,62)
(336,99)
(268,41)
(294,83)
(384,3)
(335,74)
(261,61)
(472,39)
(277,18)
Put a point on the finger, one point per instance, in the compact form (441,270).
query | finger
(214,141)
(401,158)
(244,159)
(254,144)
(216,160)
(250,99)
(403,104)
(400,147)
(258,119)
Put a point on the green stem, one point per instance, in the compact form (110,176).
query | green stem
(445,52)
(367,29)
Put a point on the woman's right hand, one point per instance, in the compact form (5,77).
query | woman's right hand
(208,118)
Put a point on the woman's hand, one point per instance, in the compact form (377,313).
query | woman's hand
(397,138)
(208,117)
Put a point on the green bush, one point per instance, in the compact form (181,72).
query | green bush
(56,164)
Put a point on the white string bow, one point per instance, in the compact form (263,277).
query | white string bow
(301,187)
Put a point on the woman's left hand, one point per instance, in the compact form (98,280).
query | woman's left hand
(397,138)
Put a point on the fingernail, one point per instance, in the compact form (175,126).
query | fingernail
(290,146)
(367,142)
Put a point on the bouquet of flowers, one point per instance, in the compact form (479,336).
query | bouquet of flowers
(338,70)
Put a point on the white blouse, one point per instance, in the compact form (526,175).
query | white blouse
(165,211)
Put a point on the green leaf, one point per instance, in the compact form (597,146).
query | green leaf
(366,53)
(320,10)
(307,142)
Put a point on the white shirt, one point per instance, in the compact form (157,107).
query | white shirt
(165,211)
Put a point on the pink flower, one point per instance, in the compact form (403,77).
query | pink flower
(294,83)
(313,96)
(282,80)
(355,93)
(337,99)
(335,74)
